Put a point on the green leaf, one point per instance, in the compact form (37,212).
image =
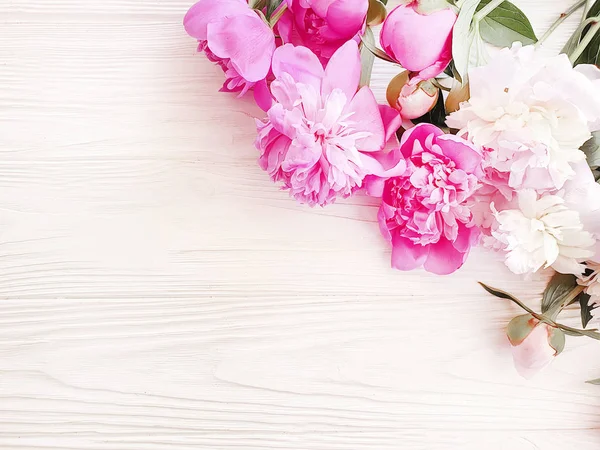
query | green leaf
(463,36)
(431,6)
(586,309)
(591,54)
(506,24)
(367,58)
(557,340)
(384,2)
(557,290)
(520,327)
(272,5)
(592,150)
(596,382)
(437,116)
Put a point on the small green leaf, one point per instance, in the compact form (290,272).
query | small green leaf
(497,292)
(463,36)
(592,150)
(384,2)
(586,308)
(520,327)
(596,382)
(506,24)
(559,287)
(557,340)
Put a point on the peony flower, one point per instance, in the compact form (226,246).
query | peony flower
(534,344)
(321,135)
(418,42)
(532,113)
(543,231)
(235,37)
(423,212)
(325,25)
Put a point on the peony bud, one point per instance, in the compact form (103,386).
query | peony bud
(412,100)
(534,344)
(418,42)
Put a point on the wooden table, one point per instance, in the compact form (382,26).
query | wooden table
(157,291)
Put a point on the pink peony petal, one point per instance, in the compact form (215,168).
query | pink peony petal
(463,153)
(262,95)
(343,71)
(391,122)
(366,116)
(443,258)
(300,63)
(406,255)
(419,133)
(345,17)
(207,11)
(247,41)
(418,41)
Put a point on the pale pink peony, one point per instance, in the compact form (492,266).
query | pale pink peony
(325,25)
(418,42)
(235,37)
(423,211)
(532,112)
(322,136)
(534,344)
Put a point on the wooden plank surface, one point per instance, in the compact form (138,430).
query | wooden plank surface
(158,292)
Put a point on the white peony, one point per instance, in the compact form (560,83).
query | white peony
(543,231)
(532,113)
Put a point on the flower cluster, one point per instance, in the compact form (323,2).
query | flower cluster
(482,141)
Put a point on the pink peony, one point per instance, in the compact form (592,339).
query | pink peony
(423,211)
(321,135)
(234,36)
(418,42)
(325,25)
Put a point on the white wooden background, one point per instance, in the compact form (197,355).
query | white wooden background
(158,292)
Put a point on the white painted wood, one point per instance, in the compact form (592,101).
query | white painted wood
(158,292)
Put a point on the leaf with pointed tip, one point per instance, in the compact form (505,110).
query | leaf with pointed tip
(596,382)
(558,289)
(586,308)
(505,24)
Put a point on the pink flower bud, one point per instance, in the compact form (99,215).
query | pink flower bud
(414,101)
(418,42)
(534,344)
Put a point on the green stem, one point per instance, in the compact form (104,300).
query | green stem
(486,10)
(585,41)
(561,19)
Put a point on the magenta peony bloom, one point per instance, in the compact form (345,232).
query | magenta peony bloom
(418,42)
(234,36)
(423,212)
(325,25)
(321,136)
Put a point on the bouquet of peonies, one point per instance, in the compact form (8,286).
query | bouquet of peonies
(485,141)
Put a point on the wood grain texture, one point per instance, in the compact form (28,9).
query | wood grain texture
(158,292)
